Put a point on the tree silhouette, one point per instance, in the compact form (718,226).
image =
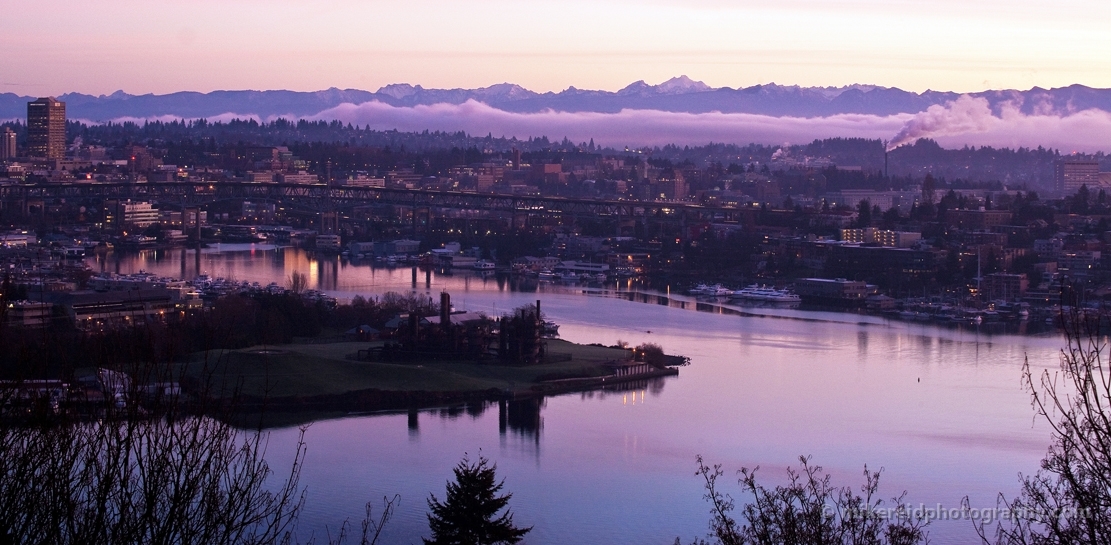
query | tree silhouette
(864,214)
(468,514)
(810,510)
(1068,499)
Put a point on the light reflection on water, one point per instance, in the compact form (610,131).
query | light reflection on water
(940,409)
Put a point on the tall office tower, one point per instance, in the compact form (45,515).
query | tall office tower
(46,128)
(7,144)
(1071,173)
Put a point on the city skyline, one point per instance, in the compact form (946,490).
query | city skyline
(547,46)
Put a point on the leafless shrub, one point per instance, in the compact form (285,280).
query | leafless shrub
(1069,499)
(808,510)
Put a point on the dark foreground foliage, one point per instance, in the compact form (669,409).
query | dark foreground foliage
(1068,501)
(469,513)
(808,510)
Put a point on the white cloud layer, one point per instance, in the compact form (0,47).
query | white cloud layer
(965,121)
(625,128)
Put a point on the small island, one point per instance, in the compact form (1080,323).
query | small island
(417,363)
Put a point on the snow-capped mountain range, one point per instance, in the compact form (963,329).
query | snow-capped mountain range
(680,94)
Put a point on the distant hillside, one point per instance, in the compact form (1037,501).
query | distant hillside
(676,95)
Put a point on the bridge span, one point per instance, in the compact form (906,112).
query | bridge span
(320,197)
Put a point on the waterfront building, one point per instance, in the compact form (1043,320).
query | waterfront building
(884,265)
(1003,286)
(834,291)
(328,242)
(535,263)
(398,247)
(139,214)
(582,268)
(46,128)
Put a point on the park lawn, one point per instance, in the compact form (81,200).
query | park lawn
(586,352)
(323,369)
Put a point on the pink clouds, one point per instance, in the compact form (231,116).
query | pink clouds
(965,121)
(625,128)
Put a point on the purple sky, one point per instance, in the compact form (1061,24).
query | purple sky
(164,46)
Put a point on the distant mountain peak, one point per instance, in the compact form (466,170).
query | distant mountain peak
(637,87)
(682,85)
(399,90)
(504,90)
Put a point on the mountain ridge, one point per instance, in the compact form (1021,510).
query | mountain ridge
(679,94)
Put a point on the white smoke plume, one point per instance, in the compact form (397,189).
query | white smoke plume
(970,121)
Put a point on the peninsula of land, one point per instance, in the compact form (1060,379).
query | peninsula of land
(337,378)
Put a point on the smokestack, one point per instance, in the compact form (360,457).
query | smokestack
(537,310)
(445,310)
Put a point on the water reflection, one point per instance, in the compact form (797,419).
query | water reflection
(521,417)
(414,424)
(939,406)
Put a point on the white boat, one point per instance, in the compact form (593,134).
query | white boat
(483,265)
(782,296)
(569,277)
(545,274)
(750,293)
(766,294)
(717,290)
(700,289)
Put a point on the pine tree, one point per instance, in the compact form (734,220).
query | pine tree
(468,514)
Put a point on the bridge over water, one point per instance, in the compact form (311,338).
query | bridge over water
(320,197)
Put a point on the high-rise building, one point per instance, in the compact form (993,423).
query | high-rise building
(7,144)
(1070,174)
(46,128)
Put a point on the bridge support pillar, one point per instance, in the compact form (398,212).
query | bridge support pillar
(329,222)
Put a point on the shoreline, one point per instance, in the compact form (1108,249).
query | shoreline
(319,379)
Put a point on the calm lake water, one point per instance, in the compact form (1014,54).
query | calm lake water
(941,410)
